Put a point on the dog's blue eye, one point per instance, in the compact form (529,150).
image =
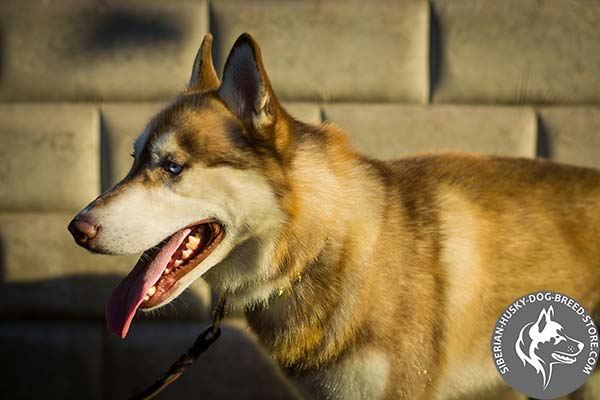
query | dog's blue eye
(173,168)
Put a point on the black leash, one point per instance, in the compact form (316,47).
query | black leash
(202,343)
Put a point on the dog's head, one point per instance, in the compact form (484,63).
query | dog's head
(544,343)
(207,177)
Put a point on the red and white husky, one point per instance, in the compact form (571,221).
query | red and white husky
(364,279)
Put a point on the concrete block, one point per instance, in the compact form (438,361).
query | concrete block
(305,112)
(88,50)
(515,51)
(50,156)
(334,50)
(391,131)
(571,135)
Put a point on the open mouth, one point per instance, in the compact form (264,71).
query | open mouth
(157,273)
(563,358)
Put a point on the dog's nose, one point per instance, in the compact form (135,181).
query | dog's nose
(84,229)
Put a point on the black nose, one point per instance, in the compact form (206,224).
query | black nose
(84,229)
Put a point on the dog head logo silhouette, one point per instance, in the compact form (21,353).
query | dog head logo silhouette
(543,344)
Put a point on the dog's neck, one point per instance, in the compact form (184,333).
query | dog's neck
(318,255)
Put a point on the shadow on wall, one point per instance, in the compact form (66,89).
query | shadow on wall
(82,296)
(544,144)
(60,350)
(114,30)
(435,44)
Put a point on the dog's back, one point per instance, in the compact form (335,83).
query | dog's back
(465,236)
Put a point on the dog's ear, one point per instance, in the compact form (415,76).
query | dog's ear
(247,92)
(543,319)
(204,77)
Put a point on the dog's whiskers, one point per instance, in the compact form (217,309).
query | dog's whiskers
(253,233)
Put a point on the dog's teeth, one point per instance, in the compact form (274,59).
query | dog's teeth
(186,254)
(178,262)
(151,291)
(192,243)
(146,298)
(166,271)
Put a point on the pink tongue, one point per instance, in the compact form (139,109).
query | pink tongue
(129,294)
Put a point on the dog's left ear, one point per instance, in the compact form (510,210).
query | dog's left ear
(247,92)
(204,76)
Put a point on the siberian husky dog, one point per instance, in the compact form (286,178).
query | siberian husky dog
(364,279)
